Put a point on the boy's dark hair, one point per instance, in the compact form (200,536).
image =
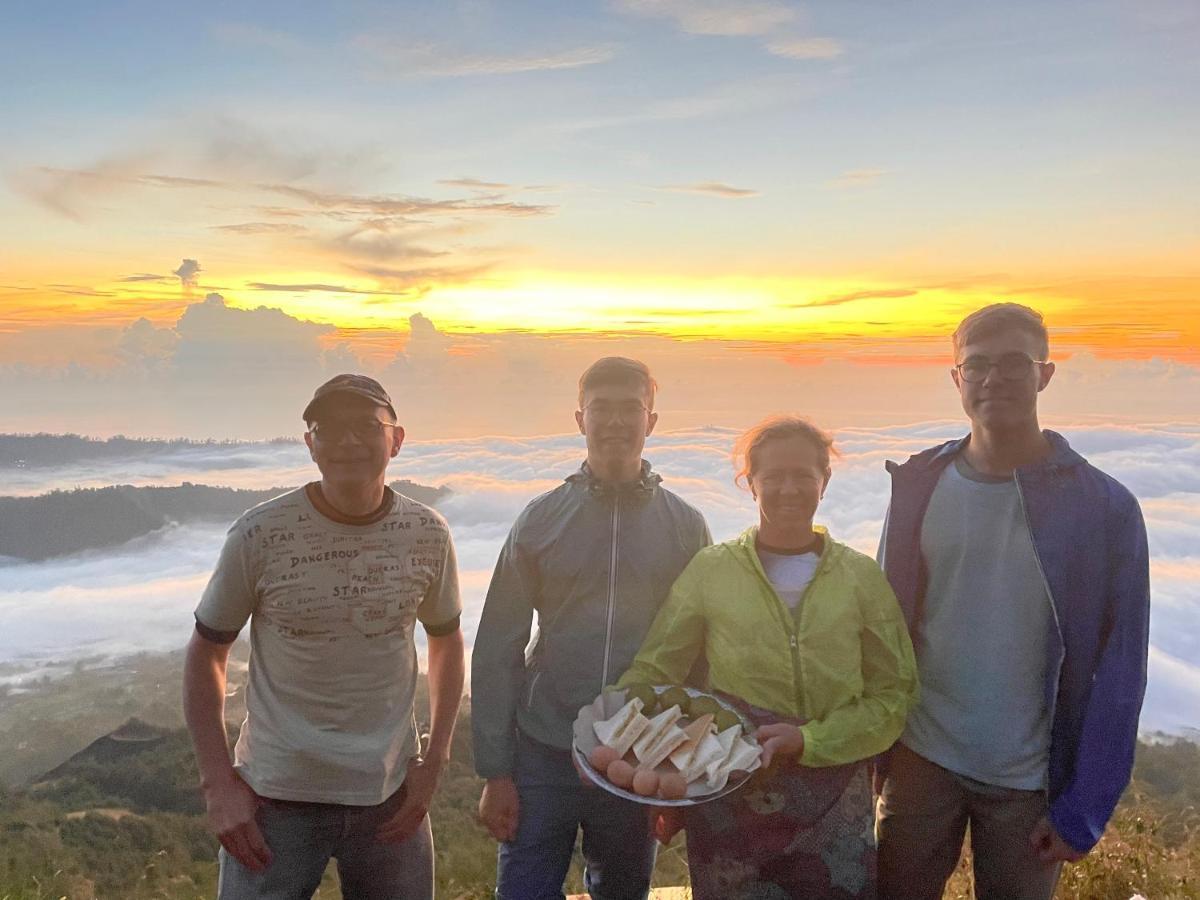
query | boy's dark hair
(618,370)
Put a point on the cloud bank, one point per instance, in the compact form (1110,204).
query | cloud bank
(140,596)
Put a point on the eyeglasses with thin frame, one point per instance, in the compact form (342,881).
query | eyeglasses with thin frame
(364,430)
(1011,366)
(625,411)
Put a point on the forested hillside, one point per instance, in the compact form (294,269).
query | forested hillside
(62,522)
(48,450)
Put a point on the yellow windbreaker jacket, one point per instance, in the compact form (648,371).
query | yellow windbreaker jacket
(843,661)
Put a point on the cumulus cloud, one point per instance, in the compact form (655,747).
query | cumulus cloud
(341,358)
(217,341)
(188,273)
(711,189)
(146,348)
(72,607)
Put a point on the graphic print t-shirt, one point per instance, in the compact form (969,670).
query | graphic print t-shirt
(333,663)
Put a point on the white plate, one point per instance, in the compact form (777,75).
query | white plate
(606,706)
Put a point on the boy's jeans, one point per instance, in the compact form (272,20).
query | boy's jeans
(303,837)
(618,846)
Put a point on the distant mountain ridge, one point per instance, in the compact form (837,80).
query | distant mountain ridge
(27,451)
(64,522)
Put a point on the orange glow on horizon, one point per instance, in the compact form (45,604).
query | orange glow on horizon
(876,321)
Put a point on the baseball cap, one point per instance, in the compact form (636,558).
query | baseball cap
(348,383)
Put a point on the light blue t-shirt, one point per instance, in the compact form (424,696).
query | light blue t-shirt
(981,648)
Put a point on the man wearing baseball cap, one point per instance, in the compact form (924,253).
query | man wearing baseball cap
(332,578)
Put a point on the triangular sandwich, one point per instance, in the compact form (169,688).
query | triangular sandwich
(624,728)
(659,739)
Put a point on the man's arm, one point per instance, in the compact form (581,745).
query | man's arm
(230,802)
(447,671)
(1108,737)
(497,675)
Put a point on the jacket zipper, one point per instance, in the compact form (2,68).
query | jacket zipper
(1062,651)
(612,590)
(794,632)
(788,617)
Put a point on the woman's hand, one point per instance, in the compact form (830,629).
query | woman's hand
(665,822)
(779,738)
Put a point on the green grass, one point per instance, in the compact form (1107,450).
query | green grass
(1152,846)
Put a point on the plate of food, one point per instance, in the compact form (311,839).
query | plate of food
(664,745)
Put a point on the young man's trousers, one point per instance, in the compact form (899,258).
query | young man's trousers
(923,814)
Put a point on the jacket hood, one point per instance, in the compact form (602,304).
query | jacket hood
(645,483)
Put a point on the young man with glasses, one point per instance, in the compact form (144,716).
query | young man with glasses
(594,559)
(1023,574)
(333,578)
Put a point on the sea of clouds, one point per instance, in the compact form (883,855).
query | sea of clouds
(105,604)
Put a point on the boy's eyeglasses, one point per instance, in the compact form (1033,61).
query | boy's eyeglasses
(1011,366)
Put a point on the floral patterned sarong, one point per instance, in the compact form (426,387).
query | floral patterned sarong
(790,832)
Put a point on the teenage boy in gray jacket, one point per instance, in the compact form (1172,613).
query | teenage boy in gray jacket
(595,558)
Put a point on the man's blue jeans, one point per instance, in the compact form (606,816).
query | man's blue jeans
(618,846)
(303,837)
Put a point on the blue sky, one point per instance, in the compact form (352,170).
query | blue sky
(828,179)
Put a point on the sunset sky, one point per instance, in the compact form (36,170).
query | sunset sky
(207,209)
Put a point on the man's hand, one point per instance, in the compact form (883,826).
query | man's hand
(779,738)
(1049,847)
(500,808)
(420,782)
(231,810)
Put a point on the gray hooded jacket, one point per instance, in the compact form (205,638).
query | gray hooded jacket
(595,561)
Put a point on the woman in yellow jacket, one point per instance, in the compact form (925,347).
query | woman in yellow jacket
(804,635)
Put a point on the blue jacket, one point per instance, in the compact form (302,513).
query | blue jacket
(1090,541)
